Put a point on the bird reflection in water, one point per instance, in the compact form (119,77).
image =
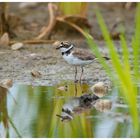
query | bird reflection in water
(78,105)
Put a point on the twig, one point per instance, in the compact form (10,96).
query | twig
(46,32)
(34,42)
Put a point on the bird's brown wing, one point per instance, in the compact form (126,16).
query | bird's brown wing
(83,54)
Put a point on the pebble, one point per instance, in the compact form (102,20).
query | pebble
(36,74)
(4,40)
(17,46)
(99,89)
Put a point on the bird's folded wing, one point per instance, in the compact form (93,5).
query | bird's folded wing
(83,54)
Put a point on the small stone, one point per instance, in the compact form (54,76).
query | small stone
(99,89)
(33,54)
(36,74)
(17,46)
(4,40)
(103,105)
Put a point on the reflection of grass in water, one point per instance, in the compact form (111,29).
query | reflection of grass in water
(79,127)
(76,127)
(55,127)
(4,118)
(3,109)
(38,106)
(123,73)
(48,104)
(68,129)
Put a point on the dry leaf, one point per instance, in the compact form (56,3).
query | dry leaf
(4,40)
(17,46)
(7,83)
(36,74)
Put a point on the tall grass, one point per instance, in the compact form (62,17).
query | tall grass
(123,74)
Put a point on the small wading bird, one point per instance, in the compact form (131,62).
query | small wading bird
(76,57)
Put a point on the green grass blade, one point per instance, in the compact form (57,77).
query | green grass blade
(113,53)
(125,55)
(124,78)
(136,44)
(97,53)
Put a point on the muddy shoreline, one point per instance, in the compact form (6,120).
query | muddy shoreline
(17,65)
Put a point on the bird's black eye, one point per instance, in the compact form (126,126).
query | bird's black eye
(62,43)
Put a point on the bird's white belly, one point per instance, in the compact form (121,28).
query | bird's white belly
(76,61)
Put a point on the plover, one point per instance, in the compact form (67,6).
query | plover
(76,56)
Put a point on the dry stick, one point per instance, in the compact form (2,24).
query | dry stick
(37,41)
(34,42)
(49,28)
(46,32)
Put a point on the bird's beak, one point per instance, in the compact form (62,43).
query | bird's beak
(58,47)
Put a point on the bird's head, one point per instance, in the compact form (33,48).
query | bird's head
(65,46)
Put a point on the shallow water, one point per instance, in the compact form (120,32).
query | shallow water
(30,111)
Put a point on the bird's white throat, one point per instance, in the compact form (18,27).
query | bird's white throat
(66,49)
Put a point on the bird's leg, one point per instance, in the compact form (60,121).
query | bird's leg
(75,74)
(81,74)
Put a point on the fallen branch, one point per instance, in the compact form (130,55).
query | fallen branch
(65,19)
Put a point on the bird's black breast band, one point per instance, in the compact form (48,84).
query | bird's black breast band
(67,52)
